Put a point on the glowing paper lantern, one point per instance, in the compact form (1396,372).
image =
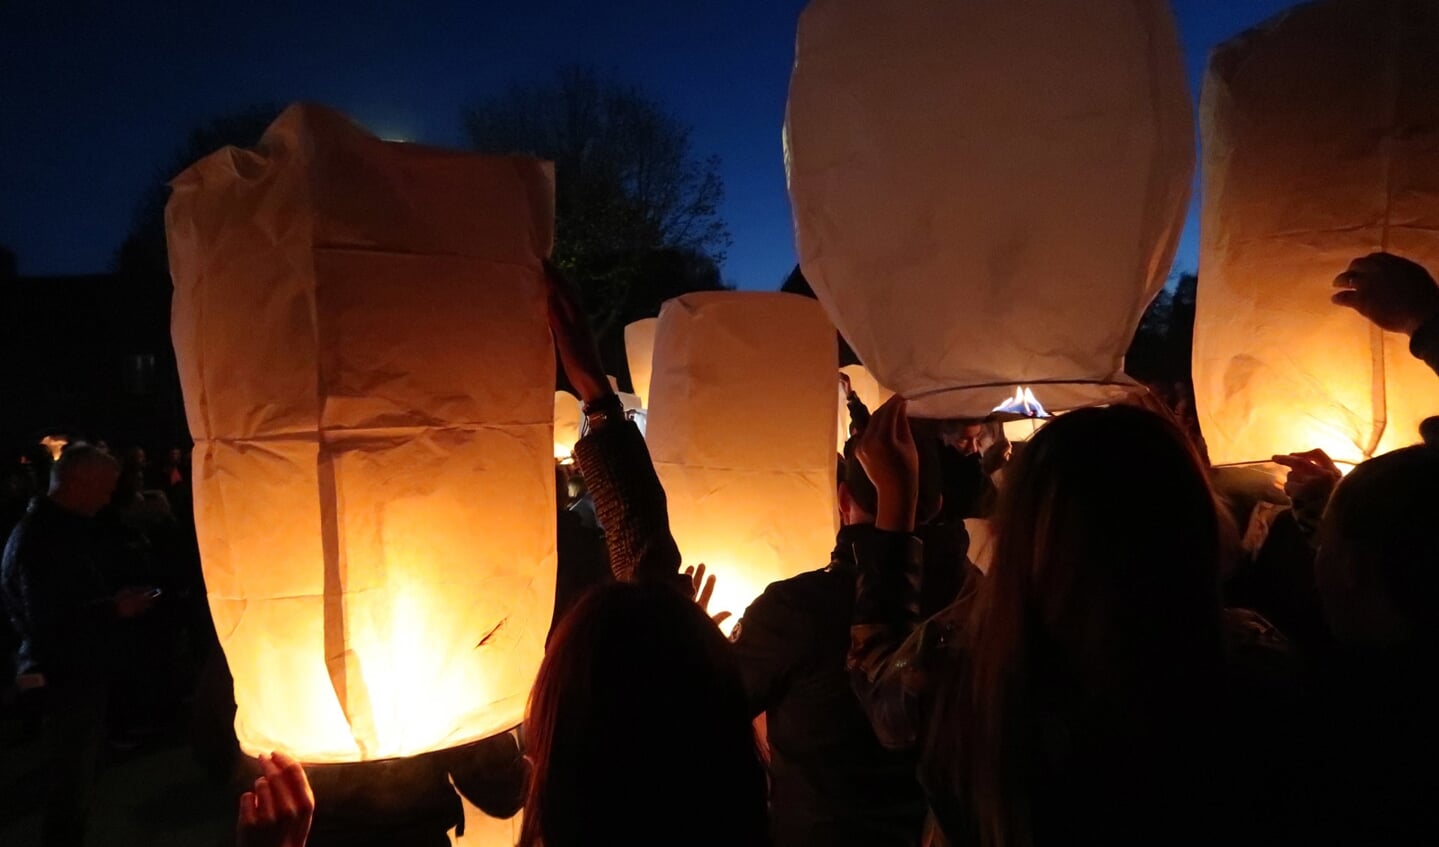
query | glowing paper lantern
(988,193)
(569,415)
(1321,142)
(741,429)
(640,351)
(361,336)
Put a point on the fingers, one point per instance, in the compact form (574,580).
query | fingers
(706,593)
(1309,461)
(292,788)
(720,617)
(1320,458)
(1348,298)
(266,811)
(249,814)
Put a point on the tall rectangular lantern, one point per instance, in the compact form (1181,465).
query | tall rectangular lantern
(742,430)
(1321,143)
(361,336)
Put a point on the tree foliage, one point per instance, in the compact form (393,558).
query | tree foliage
(1161,349)
(636,211)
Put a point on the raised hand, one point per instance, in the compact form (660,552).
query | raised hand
(887,453)
(277,813)
(579,355)
(704,590)
(1394,293)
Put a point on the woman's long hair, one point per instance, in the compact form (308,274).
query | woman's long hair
(1094,645)
(639,730)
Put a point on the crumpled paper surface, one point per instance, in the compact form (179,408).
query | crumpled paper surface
(1321,144)
(367,369)
(987,194)
(742,431)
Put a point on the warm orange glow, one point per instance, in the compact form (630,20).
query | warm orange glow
(1277,367)
(742,430)
(55,444)
(368,383)
(568,415)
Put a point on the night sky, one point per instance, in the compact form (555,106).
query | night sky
(95,96)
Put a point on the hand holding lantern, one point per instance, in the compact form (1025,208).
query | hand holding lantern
(887,453)
(277,813)
(1394,293)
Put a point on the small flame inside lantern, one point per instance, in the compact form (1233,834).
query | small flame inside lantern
(1030,413)
(55,444)
(1023,403)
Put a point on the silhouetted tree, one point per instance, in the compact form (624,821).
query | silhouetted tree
(636,212)
(142,258)
(1162,346)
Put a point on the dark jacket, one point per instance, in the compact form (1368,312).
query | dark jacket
(907,667)
(831,781)
(55,595)
(1424,344)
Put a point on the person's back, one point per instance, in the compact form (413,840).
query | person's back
(831,781)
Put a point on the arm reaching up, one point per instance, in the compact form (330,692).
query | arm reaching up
(1397,295)
(629,500)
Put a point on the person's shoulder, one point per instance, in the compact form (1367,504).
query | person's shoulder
(805,587)
(799,597)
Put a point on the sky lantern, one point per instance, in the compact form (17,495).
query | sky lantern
(1321,143)
(569,415)
(640,351)
(987,194)
(742,431)
(367,369)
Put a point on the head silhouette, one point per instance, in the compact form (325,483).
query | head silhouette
(639,730)
(1100,613)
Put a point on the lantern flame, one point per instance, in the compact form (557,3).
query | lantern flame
(56,444)
(1023,403)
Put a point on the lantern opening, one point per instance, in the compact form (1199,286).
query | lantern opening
(1023,403)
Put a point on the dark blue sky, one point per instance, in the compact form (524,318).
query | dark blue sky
(95,95)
